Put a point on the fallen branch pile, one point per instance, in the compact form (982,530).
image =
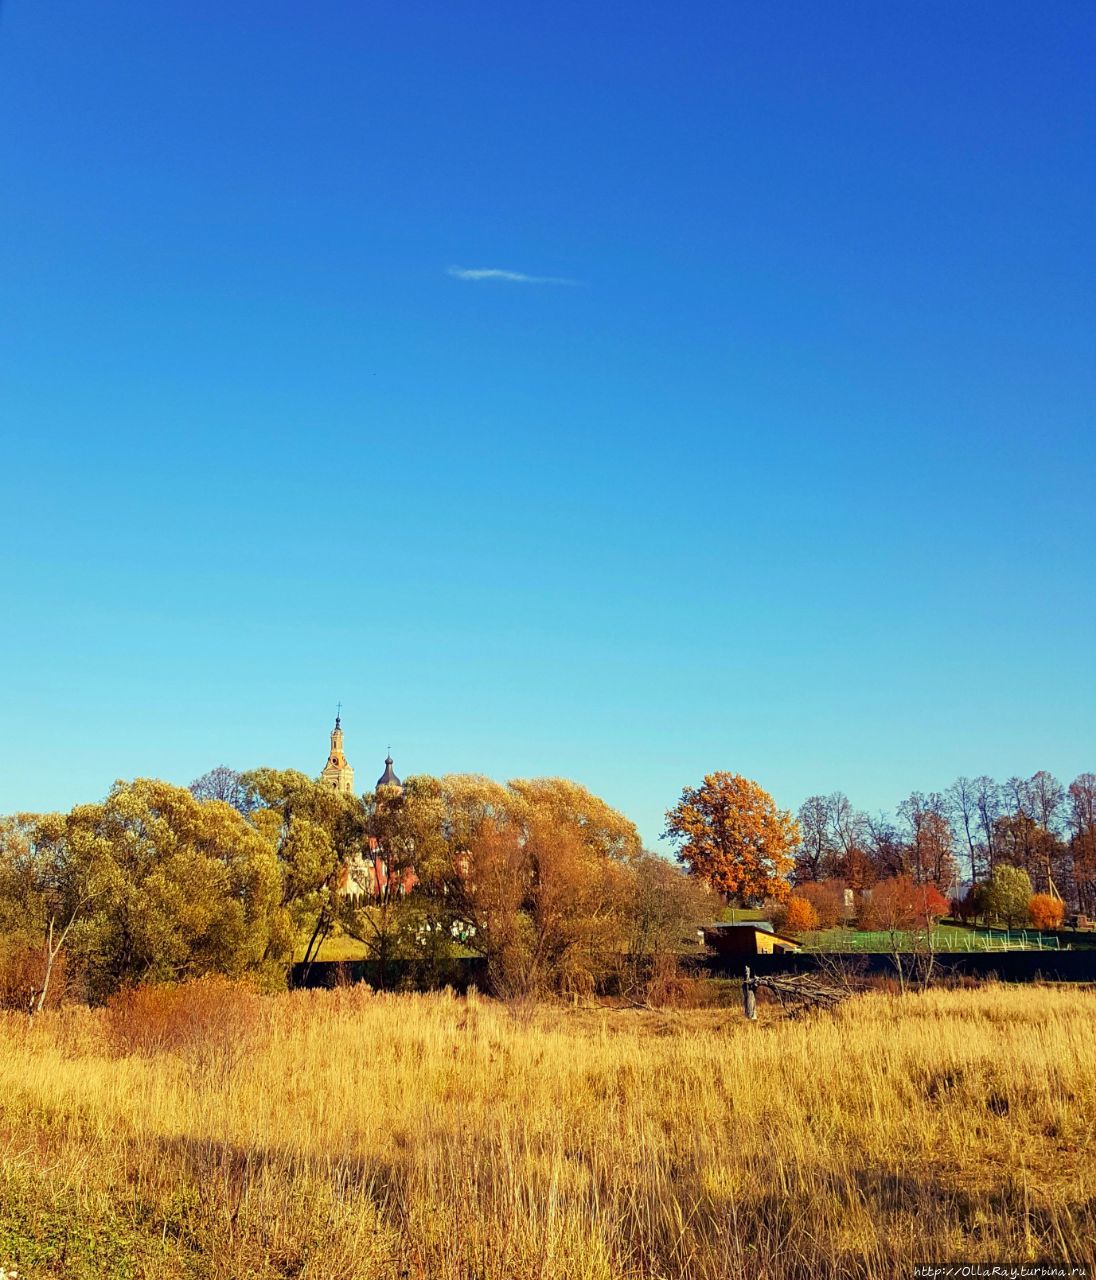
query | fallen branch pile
(795,990)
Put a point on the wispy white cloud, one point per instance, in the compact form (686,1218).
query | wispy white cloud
(494,273)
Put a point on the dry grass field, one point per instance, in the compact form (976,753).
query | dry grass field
(339,1135)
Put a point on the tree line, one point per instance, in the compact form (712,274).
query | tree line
(961,835)
(1026,847)
(545,881)
(234,875)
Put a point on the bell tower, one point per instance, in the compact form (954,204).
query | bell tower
(337,773)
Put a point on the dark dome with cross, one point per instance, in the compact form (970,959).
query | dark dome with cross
(388,777)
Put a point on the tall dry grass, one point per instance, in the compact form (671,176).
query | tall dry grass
(432,1137)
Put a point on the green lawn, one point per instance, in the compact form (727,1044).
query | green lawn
(946,937)
(337,947)
(340,947)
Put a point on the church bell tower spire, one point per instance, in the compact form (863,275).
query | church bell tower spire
(337,773)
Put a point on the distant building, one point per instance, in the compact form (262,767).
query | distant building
(337,773)
(747,938)
(365,873)
(388,778)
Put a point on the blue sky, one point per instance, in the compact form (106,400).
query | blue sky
(791,475)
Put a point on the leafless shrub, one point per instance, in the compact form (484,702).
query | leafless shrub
(23,976)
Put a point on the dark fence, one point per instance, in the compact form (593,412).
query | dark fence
(460,974)
(1005,966)
(395,975)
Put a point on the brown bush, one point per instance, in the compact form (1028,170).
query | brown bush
(22,971)
(827,897)
(669,986)
(210,1023)
(1046,912)
(898,905)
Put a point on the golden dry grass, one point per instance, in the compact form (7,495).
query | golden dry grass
(440,1139)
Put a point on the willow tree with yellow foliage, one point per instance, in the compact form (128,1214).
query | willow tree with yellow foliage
(543,892)
(730,834)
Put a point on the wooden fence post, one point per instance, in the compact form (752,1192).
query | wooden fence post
(749,996)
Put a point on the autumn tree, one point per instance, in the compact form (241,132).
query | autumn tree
(477,890)
(562,803)
(181,888)
(930,839)
(1082,839)
(729,833)
(987,804)
(1045,912)
(663,909)
(886,847)
(1007,894)
(907,913)
(471,803)
(1046,796)
(799,915)
(816,853)
(1025,842)
(962,809)
(225,784)
(1024,823)
(541,880)
(900,904)
(546,910)
(973,903)
(403,847)
(23,914)
(848,829)
(43,898)
(314,831)
(576,919)
(827,898)
(846,823)
(492,896)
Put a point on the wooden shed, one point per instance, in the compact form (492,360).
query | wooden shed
(747,938)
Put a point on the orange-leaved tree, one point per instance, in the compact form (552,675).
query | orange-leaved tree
(799,915)
(729,833)
(1045,911)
